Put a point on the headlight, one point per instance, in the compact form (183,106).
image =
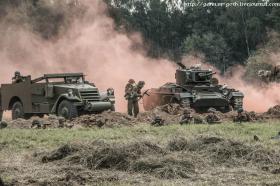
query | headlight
(70,93)
(110,92)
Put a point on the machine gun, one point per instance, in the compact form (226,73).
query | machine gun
(181,65)
(202,75)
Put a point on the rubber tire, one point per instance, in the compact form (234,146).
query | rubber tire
(70,107)
(17,107)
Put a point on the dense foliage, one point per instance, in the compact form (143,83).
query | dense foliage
(225,36)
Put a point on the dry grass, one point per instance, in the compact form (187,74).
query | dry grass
(172,155)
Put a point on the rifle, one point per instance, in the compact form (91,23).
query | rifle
(145,93)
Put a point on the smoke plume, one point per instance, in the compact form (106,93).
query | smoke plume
(108,58)
(91,45)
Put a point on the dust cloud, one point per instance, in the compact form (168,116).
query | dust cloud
(91,46)
(108,58)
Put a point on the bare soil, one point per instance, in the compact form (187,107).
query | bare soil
(169,113)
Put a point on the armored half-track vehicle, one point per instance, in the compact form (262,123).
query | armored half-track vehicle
(67,95)
(194,88)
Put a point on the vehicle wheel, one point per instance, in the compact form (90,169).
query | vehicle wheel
(67,110)
(113,109)
(17,111)
(186,103)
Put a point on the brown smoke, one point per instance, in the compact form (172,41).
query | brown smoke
(91,46)
(257,98)
(106,56)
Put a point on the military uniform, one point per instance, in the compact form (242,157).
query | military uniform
(131,103)
(17,78)
(240,116)
(212,117)
(132,95)
(186,118)
(157,121)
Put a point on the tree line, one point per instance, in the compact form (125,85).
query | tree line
(224,36)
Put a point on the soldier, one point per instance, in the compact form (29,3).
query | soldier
(61,122)
(17,78)
(157,121)
(36,124)
(128,91)
(1,114)
(3,124)
(186,118)
(240,115)
(212,117)
(132,95)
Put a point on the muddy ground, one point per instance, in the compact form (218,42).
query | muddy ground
(169,113)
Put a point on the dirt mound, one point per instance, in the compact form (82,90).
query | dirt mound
(106,119)
(170,113)
(47,122)
(274,111)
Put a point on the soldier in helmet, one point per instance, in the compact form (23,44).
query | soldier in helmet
(17,78)
(186,118)
(157,121)
(128,95)
(36,124)
(212,117)
(132,95)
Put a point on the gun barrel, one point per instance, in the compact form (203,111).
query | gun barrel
(205,75)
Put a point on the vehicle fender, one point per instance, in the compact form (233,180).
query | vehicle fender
(183,95)
(105,97)
(236,94)
(64,97)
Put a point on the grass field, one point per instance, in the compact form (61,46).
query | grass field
(17,147)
